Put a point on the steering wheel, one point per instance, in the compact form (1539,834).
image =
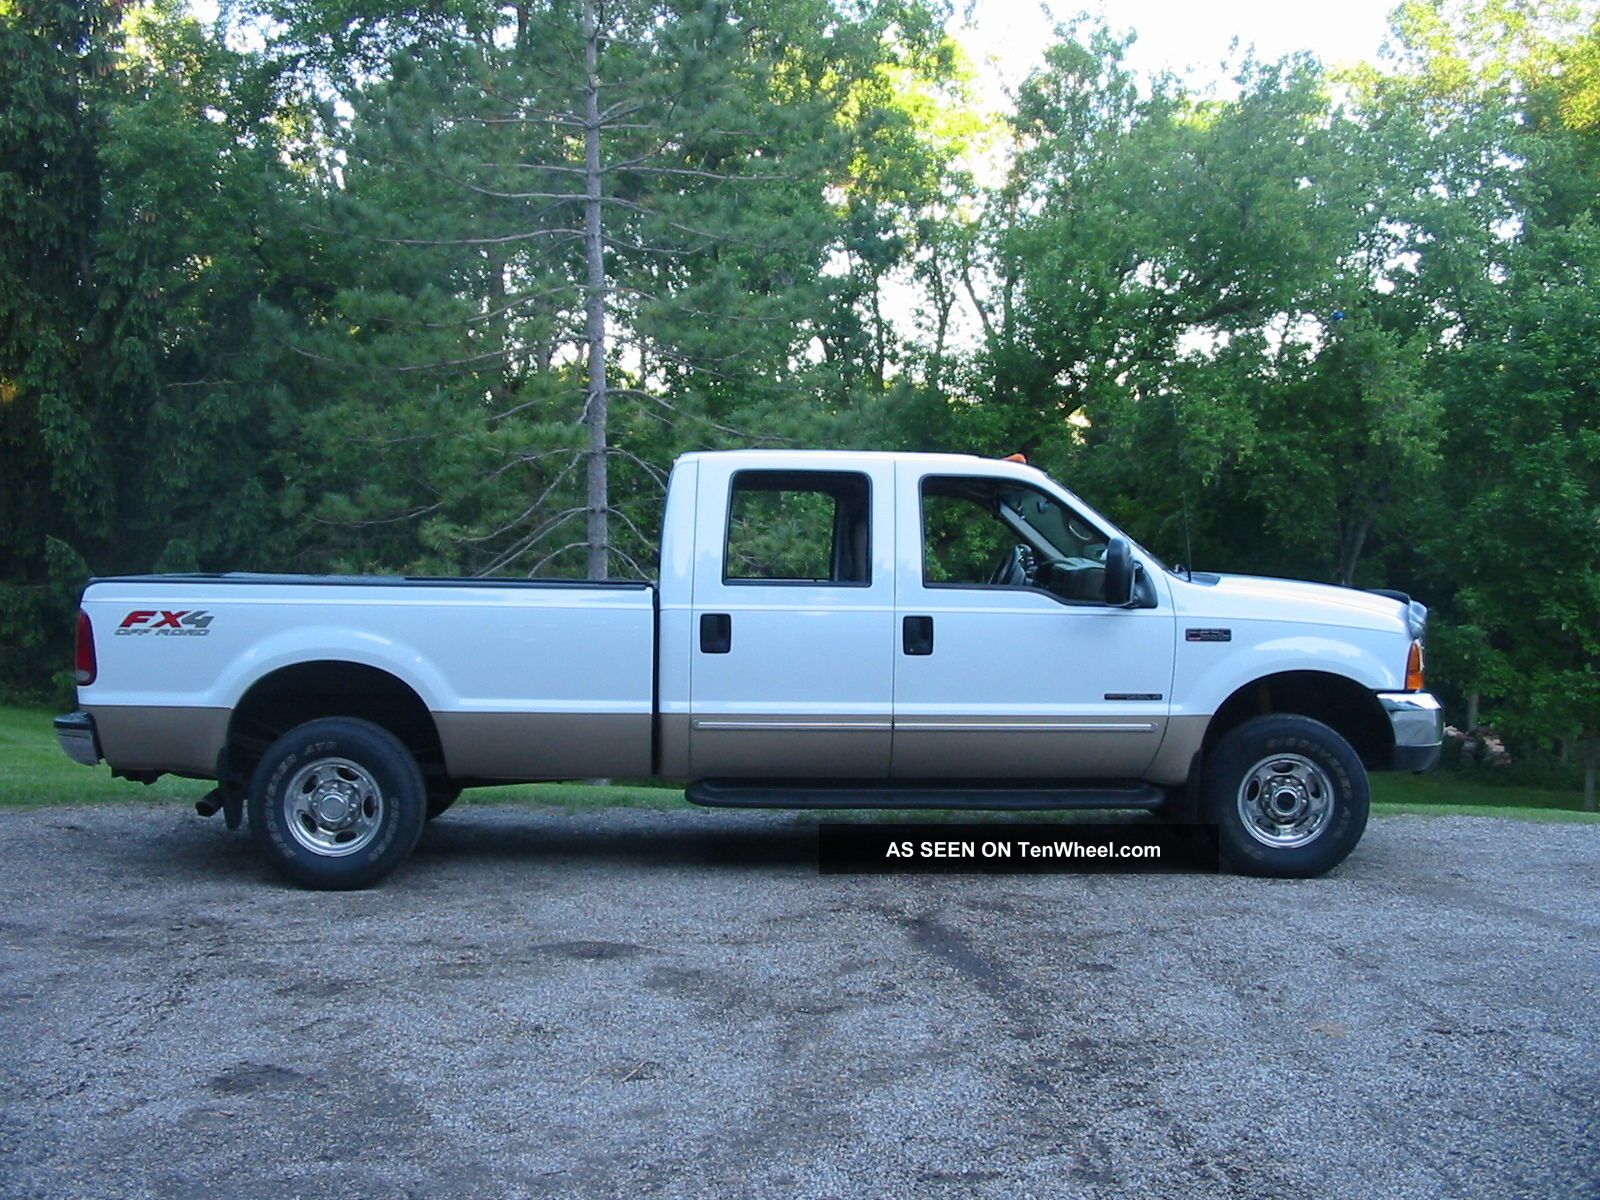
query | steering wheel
(1015,568)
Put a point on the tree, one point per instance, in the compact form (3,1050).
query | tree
(1524,492)
(621,206)
(1500,245)
(134,186)
(1191,312)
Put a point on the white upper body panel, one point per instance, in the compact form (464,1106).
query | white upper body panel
(462,646)
(1276,625)
(677,585)
(482,646)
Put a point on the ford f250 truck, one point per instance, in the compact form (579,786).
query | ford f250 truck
(830,630)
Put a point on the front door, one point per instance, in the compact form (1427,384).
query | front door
(792,661)
(1008,664)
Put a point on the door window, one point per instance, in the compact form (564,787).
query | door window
(996,533)
(810,527)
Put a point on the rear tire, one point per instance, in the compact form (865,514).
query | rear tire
(1289,797)
(337,803)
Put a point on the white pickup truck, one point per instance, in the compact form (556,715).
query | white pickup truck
(831,629)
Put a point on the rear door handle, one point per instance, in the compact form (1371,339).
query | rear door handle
(716,633)
(916,635)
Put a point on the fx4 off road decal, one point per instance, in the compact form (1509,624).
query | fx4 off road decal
(191,622)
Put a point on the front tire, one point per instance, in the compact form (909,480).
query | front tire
(337,803)
(440,800)
(1289,797)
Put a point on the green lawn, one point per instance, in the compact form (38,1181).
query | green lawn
(34,772)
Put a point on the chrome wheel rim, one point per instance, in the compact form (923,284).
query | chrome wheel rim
(1285,801)
(334,807)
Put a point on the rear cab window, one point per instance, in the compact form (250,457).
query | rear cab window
(799,527)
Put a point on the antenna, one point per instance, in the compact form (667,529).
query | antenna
(1182,444)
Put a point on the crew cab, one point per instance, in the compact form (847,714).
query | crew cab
(830,629)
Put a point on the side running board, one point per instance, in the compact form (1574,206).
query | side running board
(715,793)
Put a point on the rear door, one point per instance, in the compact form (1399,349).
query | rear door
(792,658)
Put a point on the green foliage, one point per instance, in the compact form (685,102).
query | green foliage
(321,304)
(443,381)
(781,535)
(136,192)
(1525,443)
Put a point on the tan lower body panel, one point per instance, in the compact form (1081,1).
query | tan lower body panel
(672,746)
(1178,748)
(1024,747)
(765,746)
(150,738)
(545,745)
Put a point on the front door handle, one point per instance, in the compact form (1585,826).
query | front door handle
(916,635)
(716,633)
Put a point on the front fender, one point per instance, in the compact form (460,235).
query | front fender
(1207,673)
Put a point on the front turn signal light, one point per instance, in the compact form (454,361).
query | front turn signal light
(1414,675)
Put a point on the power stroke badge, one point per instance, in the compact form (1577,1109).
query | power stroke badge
(186,622)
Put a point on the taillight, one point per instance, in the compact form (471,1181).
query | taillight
(1414,679)
(86,668)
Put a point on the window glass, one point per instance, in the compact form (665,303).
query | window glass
(994,533)
(798,527)
(961,540)
(1066,532)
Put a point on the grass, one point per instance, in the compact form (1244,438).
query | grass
(34,773)
(1519,812)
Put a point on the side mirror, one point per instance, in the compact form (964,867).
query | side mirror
(1119,573)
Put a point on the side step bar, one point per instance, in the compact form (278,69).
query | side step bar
(714,793)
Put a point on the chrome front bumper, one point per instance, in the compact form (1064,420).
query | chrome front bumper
(1418,723)
(76,735)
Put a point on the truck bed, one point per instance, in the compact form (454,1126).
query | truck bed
(523,679)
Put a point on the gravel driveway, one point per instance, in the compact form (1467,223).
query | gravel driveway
(632,1002)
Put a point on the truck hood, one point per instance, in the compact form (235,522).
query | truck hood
(1294,599)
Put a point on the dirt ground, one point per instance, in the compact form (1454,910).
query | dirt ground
(630,1002)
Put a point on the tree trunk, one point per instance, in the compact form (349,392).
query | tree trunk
(1351,541)
(1591,764)
(880,335)
(594,409)
(499,325)
(1472,710)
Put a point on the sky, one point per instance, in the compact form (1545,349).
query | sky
(1192,38)
(1006,37)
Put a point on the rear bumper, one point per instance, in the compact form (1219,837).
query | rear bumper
(1418,723)
(76,735)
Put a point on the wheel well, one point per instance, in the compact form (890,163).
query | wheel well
(1338,702)
(293,695)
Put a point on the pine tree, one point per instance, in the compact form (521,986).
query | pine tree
(625,205)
